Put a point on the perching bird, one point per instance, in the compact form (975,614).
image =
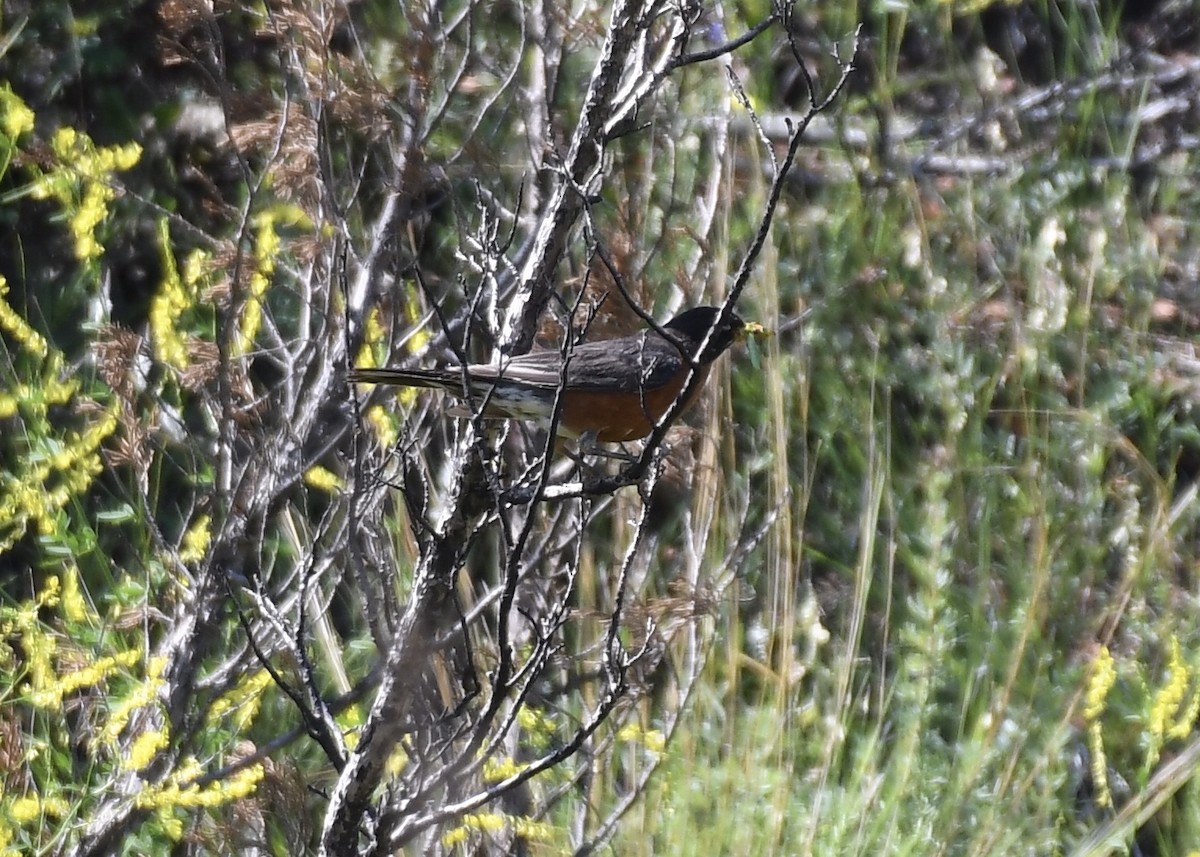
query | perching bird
(614,390)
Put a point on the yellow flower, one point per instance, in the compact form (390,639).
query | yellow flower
(652,739)
(1099,765)
(55,807)
(26,497)
(351,721)
(75,606)
(494,822)
(195,540)
(16,327)
(144,694)
(25,809)
(180,791)
(267,246)
(1103,677)
(15,117)
(119,158)
(419,339)
(145,747)
(496,770)
(1168,700)
(538,729)
(170,823)
(49,595)
(85,220)
(51,695)
(373,331)
(82,184)
(175,296)
(63,142)
(323,480)
(244,700)
(384,423)
(1182,727)
(534,831)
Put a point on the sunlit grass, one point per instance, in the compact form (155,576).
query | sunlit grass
(978,455)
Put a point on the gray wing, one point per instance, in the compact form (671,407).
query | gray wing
(646,362)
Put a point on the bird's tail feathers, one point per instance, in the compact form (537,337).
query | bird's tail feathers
(436,378)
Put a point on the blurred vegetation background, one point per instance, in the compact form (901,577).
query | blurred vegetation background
(933,589)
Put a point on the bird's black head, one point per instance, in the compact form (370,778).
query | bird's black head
(693,325)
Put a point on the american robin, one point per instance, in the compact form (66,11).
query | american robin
(614,390)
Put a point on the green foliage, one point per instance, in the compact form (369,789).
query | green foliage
(89,583)
(968,627)
(992,453)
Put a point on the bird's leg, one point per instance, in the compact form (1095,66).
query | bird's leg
(590,445)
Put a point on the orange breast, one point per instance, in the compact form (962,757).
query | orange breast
(614,416)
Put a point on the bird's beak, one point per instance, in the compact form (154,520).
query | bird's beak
(752,330)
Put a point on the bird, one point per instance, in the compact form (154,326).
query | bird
(613,390)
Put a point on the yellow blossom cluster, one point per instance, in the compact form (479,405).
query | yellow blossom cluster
(75,608)
(145,747)
(1169,717)
(323,479)
(267,243)
(385,424)
(195,540)
(652,739)
(536,727)
(244,700)
(54,477)
(37,643)
(1171,710)
(495,822)
(82,183)
(384,421)
(44,688)
(351,721)
(181,791)
(16,327)
(16,119)
(177,294)
(373,336)
(1103,677)
(15,116)
(498,770)
(46,393)
(144,694)
(30,808)
(51,694)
